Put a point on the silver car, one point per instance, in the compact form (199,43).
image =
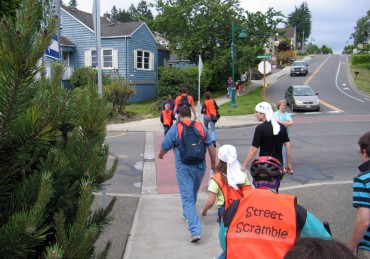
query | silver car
(302,97)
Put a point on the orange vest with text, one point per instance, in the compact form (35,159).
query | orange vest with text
(210,108)
(264,226)
(167,117)
(229,193)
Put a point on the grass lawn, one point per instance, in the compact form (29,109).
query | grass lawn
(245,104)
(362,80)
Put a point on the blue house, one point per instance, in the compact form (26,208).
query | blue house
(127,48)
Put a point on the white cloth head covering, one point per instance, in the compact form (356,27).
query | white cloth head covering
(227,153)
(265,108)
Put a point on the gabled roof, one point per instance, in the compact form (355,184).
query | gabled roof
(108,29)
(288,32)
(66,42)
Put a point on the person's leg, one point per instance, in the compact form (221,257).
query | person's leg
(284,156)
(206,121)
(213,129)
(185,179)
(165,128)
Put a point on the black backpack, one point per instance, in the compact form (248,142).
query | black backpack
(192,145)
(184,101)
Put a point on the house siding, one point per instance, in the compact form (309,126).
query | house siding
(144,82)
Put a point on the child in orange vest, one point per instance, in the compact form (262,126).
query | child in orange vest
(228,183)
(167,118)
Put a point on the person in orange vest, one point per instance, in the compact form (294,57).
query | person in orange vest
(265,224)
(209,109)
(167,118)
(228,183)
(189,175)
(184,100)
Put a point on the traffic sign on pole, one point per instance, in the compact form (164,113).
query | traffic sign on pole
(265,56)
(264,67)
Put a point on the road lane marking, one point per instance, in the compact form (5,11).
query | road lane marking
(316,71)
(117,156)
(336,84)
(115,136)
(314,185)
(330,106)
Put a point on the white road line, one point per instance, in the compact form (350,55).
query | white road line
(314,185)
(336,84)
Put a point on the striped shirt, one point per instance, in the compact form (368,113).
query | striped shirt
(361,197)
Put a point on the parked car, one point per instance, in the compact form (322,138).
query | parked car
(299,68)
(302,97)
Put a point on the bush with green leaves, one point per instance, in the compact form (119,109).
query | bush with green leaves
(360,59)
(117,93)
(172,79)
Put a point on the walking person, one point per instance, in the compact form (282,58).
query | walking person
(210,110)
(264,224)
(360,239)
(229,86)
(243,80)
(190,170)
(184,99)
(167,118)
(228,183)
(269,137)
(170,101)
(284,118)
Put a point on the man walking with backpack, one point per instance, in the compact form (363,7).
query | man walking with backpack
(190,140)
(184,100)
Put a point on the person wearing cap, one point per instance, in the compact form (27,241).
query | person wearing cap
(265,224)
(228,183)
(269,137)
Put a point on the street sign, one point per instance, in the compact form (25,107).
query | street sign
(53,50)
(264,67)
(265,56)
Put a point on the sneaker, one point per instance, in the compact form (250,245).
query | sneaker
(194,239)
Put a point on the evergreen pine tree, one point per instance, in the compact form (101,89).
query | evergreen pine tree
(52,152)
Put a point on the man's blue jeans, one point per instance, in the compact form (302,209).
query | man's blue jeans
(207,120)
(189,178)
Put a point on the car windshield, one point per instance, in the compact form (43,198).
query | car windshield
(299,64)
(303,91)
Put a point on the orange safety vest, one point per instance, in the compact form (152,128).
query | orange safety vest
(229,193)
(197,125)
(210,107)
(264,226)
(167,117)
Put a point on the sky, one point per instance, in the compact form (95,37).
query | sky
(333,21)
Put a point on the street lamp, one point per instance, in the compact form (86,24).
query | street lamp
(242,35)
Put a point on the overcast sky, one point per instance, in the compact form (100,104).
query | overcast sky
(333,21)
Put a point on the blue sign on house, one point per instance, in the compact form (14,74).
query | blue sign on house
(53,50)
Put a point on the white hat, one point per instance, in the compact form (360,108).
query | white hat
(235,176)
(265,108)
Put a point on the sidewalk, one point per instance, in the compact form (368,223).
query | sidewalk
(158,231)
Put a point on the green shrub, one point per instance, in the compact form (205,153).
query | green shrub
(81,76)
(117,93)
(171,80)
(360,59)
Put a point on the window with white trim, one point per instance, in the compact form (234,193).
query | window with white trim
(109,58)
(144,60)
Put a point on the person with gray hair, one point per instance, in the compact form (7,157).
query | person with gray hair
(269,137)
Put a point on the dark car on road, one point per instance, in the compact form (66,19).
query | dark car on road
(302,97)
(299,68)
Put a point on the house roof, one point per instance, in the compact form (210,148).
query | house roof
(108,28)
(66,42)
(288,32)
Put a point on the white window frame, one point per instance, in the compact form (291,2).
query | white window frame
(91,59)
(143,60)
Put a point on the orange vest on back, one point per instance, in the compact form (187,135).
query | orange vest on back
(229,193)
(197,125)
(167,117)
(210,107)
(264,226)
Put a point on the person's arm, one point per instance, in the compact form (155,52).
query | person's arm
(209,203)
(288,165)
(194,112)
(161,117)
(251,154)
(360,228)
(175,109)
(212,155)
(162,153)
(203,110)
(216,106)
